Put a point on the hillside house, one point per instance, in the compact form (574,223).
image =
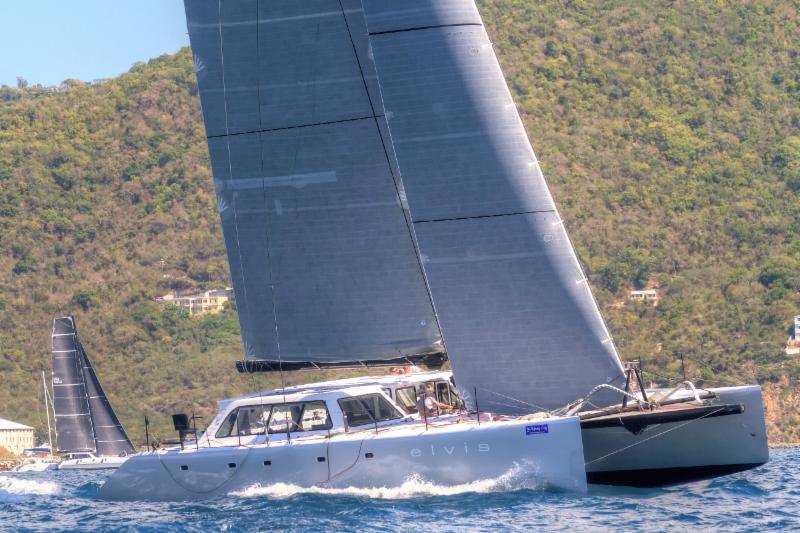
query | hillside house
(647,295)
(204,303)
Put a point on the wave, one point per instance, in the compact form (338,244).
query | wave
(16,489)
(517,478)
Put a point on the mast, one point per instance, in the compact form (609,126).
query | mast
(47,413)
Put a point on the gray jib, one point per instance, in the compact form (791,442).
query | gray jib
(321,252)
(517,315)
(110,436)
(74,432)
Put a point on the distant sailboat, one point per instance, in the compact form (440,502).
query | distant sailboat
(88,432)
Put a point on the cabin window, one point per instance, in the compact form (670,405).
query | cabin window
(226,428)
(245,421)
(443,392)
(252,419)
(301,416)
(407,399)
(368,409)
(315,417)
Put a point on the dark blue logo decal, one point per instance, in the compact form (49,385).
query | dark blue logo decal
(536,429)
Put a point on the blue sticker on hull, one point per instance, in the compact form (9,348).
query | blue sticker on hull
(536,429)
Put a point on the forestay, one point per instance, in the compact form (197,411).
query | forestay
(515,308)
(321,250)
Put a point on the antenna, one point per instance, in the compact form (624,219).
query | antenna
(47,414)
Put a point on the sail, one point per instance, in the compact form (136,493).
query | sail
(85,421)
(519,322)
(110,436)
(74,432)
(321,249)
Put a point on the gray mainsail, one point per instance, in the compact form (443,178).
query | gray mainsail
(370,164)
(515,308)
(74,432)
(85,420)
(321,251)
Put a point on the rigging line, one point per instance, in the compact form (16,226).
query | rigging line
(406,213)
(516,400)
(266,225)
(230,166)
(654,436)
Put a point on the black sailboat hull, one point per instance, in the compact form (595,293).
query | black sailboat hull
(661,448)
(661,477)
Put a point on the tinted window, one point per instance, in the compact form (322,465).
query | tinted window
(226,428)
(244,421)
(443,392)
(367,409)
(301,416)
(315,417)
(407,399)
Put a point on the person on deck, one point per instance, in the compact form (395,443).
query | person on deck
(427,405)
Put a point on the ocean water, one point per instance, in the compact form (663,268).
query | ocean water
(767,498)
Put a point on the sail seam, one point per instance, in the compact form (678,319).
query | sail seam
(485,216)
(268,130)
(386,32)
(406,213)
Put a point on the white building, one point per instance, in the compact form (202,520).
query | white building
(16,437)
(647,295)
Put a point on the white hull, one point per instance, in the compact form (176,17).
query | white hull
(92,463)
(455,454)
(683,450)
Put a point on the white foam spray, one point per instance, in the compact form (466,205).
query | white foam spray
(13,489)
(414,486)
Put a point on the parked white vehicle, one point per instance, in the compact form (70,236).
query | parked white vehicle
(349,436)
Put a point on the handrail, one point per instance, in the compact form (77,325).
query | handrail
(680,386)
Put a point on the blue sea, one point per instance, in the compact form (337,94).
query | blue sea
(767,498)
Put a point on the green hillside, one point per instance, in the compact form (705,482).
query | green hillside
(668,131)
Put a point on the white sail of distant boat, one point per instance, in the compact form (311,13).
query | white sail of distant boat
(88,433)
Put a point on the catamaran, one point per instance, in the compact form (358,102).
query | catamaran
(381,205)
(89,435)
(347,434)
